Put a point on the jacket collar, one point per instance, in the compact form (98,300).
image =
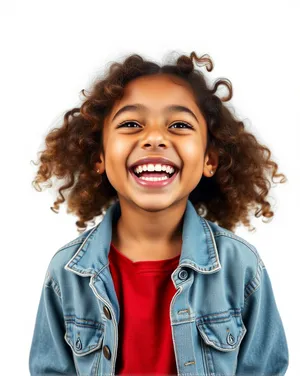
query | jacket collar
(199,250)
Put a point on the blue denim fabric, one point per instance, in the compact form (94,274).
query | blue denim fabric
(224,317)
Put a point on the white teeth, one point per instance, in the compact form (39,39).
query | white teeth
(153,179)
(152,167)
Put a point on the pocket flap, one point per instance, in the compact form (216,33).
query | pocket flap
(222,330)
(84,336)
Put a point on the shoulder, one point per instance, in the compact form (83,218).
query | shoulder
(55,270)
(235,250)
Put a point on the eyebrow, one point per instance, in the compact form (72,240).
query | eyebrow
(170,108)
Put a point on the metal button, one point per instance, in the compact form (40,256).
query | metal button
(230,339)
(78,344)
(107,312)
(183,274)
(106,352)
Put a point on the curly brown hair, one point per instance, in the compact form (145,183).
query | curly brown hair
(239,184)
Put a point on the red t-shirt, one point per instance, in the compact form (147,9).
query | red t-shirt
(144,290)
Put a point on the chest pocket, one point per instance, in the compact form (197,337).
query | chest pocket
(222,334)
(84,337)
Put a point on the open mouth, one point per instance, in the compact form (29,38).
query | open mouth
(154,175)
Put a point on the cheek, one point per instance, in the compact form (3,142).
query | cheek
(192,156)
(117,152)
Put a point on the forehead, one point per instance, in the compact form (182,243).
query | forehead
(157,91)
(158,83)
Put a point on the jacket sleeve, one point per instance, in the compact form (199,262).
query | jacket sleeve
(263,350)
(49,353)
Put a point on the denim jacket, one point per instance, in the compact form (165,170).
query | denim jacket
(224,318)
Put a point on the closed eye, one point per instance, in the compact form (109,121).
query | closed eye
(133,122)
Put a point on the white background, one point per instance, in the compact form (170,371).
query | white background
(52,50)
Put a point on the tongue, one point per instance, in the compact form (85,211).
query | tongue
(153,174)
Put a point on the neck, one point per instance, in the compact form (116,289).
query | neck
(141,234)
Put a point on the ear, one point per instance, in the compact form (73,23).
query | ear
(211,160)
(101,164)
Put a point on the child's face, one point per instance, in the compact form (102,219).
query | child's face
(153,136)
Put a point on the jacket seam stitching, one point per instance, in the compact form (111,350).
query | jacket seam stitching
(54,285)
(251,247)
(248,296)
(213,252)
(73,242)
(254,283)
(76,256)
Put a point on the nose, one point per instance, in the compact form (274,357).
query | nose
(155,137)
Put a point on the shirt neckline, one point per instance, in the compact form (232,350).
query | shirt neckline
(149,265)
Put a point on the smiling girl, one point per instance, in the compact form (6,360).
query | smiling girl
(171,288)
